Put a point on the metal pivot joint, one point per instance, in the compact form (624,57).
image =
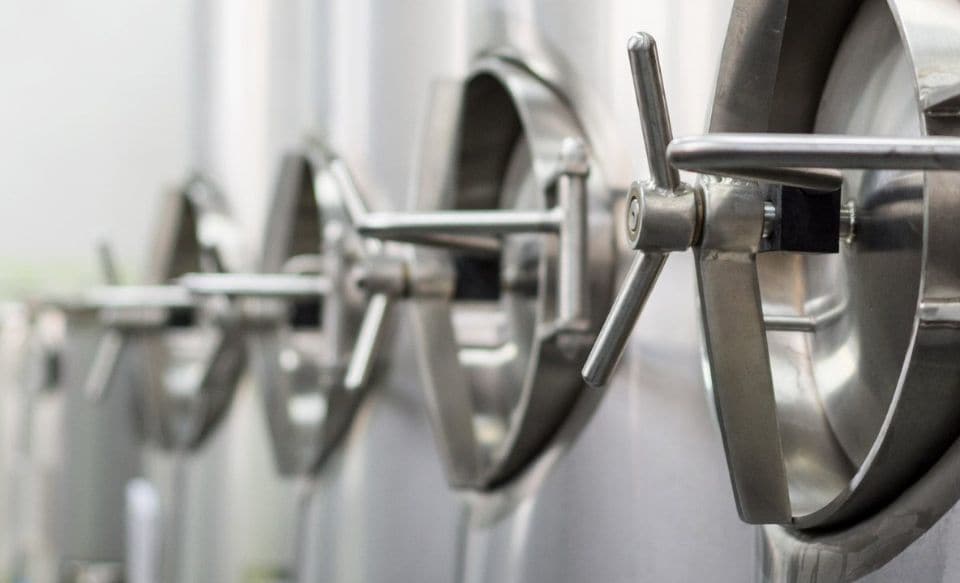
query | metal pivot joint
(759,193)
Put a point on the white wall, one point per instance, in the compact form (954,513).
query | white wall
(94,121)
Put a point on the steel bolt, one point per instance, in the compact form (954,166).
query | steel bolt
(633,215)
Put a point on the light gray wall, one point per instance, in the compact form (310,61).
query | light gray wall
(94,109)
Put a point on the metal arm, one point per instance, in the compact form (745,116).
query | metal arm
(260,285)
(720,153)
(480,231)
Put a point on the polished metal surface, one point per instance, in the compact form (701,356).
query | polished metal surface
(259,285)
(598,504)
(626,309)
(566,219)
(870,412)
(652,102)
(655,120)
(716,153)
(191,366)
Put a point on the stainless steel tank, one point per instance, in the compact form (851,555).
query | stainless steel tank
(638,489)
(475,453)
(832,386)
(611,499)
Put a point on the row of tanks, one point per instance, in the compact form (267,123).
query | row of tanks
(416,377)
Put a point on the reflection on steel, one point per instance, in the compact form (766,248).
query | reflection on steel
(389,226)
(190,368)
(868,418)
(104,365)
(812,178)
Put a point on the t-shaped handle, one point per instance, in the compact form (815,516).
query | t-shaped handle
(645,269)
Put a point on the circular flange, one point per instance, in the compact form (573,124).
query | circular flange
(190,368)
(498,383)
(867,399)
(301,361)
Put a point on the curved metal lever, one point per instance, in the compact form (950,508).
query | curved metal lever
(479,231)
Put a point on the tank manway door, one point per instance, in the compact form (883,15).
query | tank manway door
(826,265)
(315,333)
(509,271)
(185,364)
